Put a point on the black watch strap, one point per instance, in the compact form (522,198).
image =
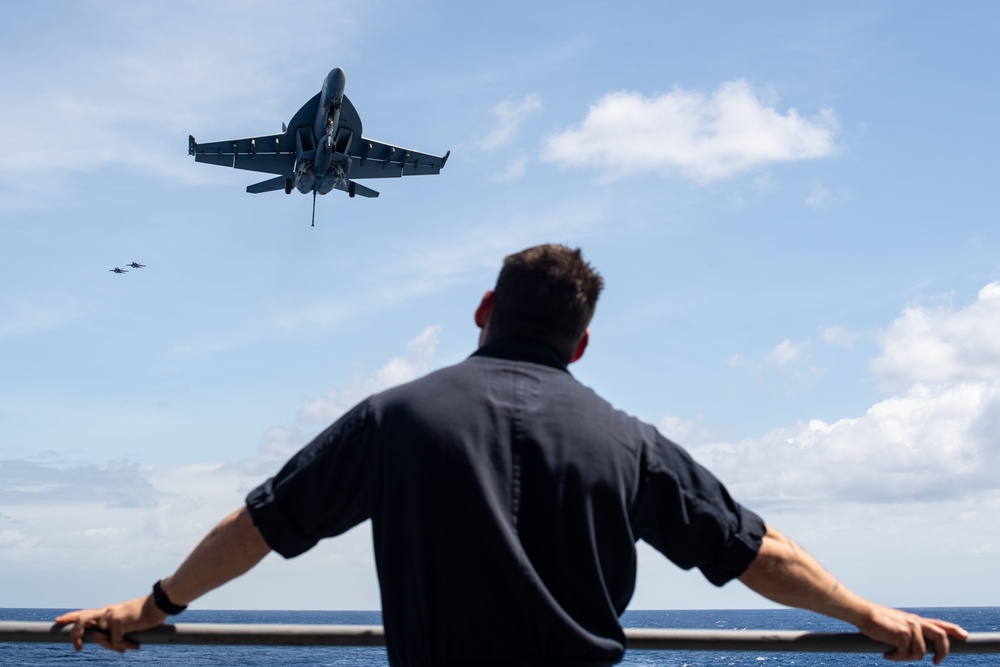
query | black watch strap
(164,604)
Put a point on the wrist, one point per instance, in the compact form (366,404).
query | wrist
(863,615)
(163,602)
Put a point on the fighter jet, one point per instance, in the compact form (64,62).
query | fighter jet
(136,265)
(117,270)
(319,148)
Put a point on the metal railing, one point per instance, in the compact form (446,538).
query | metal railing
(767,641)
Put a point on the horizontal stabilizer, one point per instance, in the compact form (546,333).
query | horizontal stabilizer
(271,184)
(358,189)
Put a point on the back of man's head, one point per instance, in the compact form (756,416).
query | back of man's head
(547,293)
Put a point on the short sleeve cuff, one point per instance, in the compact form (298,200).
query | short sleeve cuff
(741,550)
(273,523)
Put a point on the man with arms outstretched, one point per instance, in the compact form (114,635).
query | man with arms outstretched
(506,500)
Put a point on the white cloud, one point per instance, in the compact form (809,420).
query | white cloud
(937,438)
(675,428)
(942,344)
(697,136)
(686,431)
(786,352)
(839,336)
(765,182)
(928,443)
(72,515)
(510,116)
(117,484)
(783,354)
(411,365)
(736,360)
(281,442)
(122,500)
(819,197)
(516,168)
(62,522)
(858,491)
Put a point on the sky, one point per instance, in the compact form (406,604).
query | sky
(793,206)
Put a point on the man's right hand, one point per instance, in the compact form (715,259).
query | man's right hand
(786,573)
(910,633)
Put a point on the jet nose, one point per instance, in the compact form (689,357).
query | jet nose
(335,83)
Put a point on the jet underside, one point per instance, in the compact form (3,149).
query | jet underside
(321,149)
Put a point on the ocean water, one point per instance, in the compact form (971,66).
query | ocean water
(974,619)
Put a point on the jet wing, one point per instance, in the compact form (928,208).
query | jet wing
(271,154)
(374,159)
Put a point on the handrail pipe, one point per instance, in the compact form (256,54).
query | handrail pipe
(247,634)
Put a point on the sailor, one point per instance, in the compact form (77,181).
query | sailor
(505,500)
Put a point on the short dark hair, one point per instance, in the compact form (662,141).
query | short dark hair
(548,293)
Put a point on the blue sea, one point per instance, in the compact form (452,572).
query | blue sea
(974,619)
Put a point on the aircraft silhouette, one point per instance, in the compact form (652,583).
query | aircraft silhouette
(117,270)
(136,265)
(319,148)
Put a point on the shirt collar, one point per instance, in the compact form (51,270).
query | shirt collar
(522,349)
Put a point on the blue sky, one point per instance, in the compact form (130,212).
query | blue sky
(793,207)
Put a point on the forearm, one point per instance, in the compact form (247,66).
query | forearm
(231,548)
(785,573)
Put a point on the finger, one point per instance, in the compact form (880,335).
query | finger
(118,640)
(67,618)
(953,629)
(111,630)
(76,633)
(913,650)
(76,638)
(942,646)
(104,636)
(918,647)
(117,636)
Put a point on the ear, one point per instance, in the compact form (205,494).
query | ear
(485,309)
(581,347)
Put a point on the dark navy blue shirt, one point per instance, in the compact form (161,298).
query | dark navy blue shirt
(506,499)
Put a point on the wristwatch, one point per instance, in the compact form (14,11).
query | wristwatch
(163,603)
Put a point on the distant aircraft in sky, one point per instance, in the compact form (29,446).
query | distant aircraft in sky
(117,270)
(136,265)
(319,148)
